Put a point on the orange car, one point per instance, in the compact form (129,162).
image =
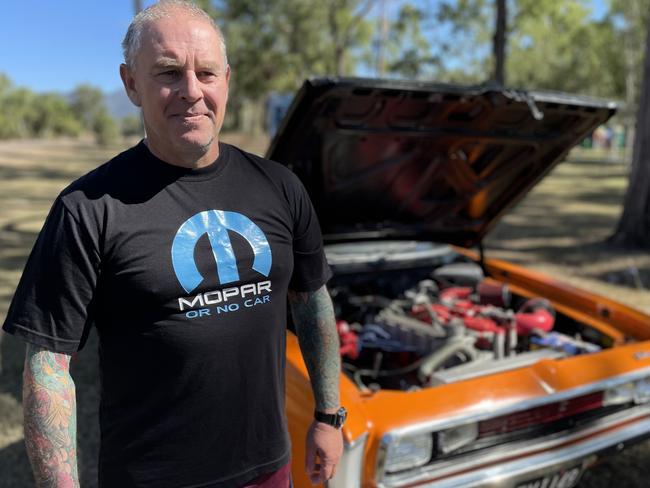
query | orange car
(458,370)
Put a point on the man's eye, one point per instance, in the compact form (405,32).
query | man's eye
(206,75)
(168,75)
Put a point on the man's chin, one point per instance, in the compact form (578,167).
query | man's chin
(198,146)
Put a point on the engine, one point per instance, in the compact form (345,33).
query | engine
(455,324)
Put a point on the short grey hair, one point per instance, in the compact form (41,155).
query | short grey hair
(161,10)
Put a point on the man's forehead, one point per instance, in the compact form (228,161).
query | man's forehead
(179,27)
(168,42)
(172,60)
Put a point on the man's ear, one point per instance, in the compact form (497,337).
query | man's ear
(227,81)
(129,84)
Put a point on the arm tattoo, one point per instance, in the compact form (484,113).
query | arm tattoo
(313,316)
(50,418)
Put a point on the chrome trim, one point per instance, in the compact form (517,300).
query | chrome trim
(363,437)
(487,410)
(350,469)
(472,475)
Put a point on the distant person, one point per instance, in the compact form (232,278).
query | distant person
(182,251)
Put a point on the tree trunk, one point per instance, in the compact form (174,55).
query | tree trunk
(381,41)
(252,117)
(499,46)
(634,226)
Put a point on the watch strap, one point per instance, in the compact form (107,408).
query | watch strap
(334,419)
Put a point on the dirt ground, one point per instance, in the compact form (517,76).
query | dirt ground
(558,229)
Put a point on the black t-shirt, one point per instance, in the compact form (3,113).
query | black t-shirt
(185,275)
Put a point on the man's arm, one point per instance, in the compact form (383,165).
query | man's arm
(313,316)
(50,418)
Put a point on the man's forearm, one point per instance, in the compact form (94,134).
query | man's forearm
(315,323)
(50,418)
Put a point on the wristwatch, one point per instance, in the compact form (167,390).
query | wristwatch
(334,419)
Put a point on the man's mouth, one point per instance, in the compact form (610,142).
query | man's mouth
(190,115)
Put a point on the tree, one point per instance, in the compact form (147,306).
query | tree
(26,114)
(628,19)
(407,49)
(53,117)
(86,102)
(634,225)
(551,44)
(500,42)
(89,107)
(105,129)
(273,45)
(557,45)
(345,20)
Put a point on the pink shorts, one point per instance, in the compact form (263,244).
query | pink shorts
(277,479)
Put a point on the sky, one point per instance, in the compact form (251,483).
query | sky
(55,45)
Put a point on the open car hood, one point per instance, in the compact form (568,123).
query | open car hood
(409,160)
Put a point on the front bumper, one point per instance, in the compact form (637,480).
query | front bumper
(514,465)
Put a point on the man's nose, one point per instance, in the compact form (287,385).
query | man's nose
(189,87)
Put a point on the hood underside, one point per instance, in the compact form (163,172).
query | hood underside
(408,160)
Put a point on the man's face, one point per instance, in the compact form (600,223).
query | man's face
(181,83)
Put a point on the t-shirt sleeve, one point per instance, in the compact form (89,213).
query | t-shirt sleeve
(310,268)
(53,302)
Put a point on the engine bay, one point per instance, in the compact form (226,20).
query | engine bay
(438,319)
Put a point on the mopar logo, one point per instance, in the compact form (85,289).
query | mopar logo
(216,224)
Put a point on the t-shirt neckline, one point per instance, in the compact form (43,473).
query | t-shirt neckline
(160,167)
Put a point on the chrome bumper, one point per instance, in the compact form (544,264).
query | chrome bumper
(516,463)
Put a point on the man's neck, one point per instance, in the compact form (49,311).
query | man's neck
(201,157)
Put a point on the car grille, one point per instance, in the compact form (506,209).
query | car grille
(539,421)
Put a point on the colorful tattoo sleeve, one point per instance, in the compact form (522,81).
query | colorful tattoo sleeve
(50,418)
(313,316)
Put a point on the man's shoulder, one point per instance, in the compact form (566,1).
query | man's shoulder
(102,182)
(274,170)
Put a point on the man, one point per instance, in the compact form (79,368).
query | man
(182,251)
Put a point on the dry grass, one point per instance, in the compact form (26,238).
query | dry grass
(558,229)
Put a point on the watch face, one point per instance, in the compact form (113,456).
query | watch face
(341,415)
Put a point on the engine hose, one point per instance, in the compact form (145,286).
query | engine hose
(357,373)
(457,345)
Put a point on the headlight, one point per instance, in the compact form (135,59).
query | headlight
(408,452)
(642,393)
(618,395)
(451,439)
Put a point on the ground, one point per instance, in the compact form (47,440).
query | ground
(559,229)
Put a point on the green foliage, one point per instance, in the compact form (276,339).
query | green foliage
(105,128)
(555,44)
(89,107)
(131,125)
(54,117)
(86,103)
(26,114)
(629,19)
(273,45)
(408,50)
(550,44)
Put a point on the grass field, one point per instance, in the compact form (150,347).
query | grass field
(560,229)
